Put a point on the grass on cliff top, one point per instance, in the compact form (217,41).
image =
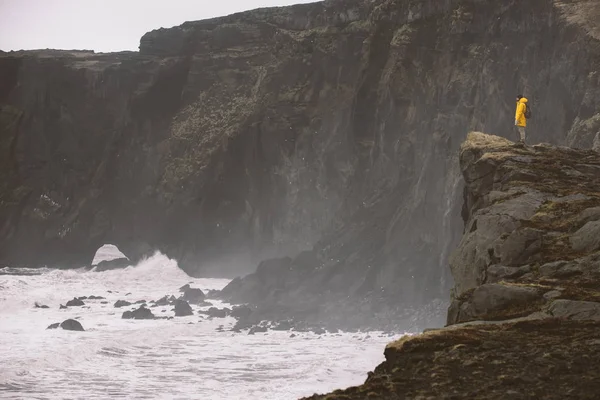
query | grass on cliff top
(484,141)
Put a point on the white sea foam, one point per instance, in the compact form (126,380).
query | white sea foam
(182,358)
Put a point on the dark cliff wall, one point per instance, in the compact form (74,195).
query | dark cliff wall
(333,124)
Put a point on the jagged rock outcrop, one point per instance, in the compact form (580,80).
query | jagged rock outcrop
(182,308)
(531,233)
(331,126)
(525,316)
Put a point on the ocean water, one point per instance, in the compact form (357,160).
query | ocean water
(181,358)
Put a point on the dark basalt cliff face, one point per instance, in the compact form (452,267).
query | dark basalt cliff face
(330,126)
(525,316)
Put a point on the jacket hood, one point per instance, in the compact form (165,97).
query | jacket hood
(523,100)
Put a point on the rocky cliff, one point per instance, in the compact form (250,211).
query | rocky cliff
(329,127)
(525,316)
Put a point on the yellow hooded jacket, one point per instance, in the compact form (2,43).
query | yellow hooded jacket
(520,119)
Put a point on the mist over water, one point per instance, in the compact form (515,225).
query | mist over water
(182,358)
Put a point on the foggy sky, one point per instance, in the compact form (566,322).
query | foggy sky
(104,25)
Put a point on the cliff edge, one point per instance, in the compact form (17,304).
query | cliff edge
(525,315)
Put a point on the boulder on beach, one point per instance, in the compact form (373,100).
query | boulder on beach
(38,305)
(53,326)
(140,313)
(121,303)
(182,308)
(71,325)
(75,303)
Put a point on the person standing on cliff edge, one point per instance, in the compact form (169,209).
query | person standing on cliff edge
(521,116)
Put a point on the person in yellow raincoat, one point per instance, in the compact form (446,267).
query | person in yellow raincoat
(520,120)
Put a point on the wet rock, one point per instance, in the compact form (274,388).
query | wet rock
(193,296)
(140,302)
(71,325)
(293,335)
(140,313)
(165,301)
(121,303)
(214,312)
(242,324)
(96,298)
(38,305)
(53,326)
(62,307)
(184,287)
(241,312)
(182,308)
(112,264)
(254,287)
(81,298)
(104,302)
(75,303)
